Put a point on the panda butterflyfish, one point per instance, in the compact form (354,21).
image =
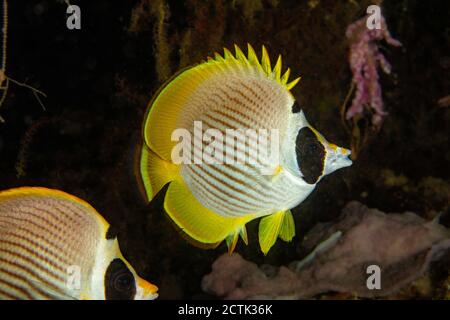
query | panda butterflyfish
(213,193)
(56,246)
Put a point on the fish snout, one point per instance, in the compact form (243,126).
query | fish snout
(145,290)
(337,158)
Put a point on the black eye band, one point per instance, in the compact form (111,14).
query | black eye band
(310,155)
(296,107)
(111,233)
(119,282)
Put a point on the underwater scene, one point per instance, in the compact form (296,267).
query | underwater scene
(224,149)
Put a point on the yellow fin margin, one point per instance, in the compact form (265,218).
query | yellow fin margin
(197,221)
(167,105)
(53,193)
(263,64)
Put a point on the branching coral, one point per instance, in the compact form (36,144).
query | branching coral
(364,59)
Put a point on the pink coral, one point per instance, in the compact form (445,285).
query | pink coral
(402,245)
(364,59)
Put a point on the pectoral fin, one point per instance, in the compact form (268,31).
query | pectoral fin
(279,224)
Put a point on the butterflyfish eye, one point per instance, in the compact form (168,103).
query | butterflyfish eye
(310,155)
(312,147)
(119,282)
(123,282)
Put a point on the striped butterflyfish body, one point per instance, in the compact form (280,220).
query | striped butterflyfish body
(56,246)
(231,141)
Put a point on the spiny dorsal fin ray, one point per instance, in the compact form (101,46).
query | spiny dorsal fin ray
(265,60)
(277,69)
(263,64)
(285,77)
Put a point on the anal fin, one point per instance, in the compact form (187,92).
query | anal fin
(197,221)
(233,238)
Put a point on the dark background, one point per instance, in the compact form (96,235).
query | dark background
(99,79)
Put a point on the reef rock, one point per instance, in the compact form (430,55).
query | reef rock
(401,245)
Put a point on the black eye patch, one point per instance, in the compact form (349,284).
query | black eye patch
(296,107)
(111,233)
(119,282)
(310,155)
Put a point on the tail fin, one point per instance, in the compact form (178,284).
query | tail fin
(155,172)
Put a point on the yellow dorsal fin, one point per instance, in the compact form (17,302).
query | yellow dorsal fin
(252,57)
(218,57)
(263,65)
(265,61)
(280,224)
(240,55)
(197,221)
(277,70)
(227,54)
(292,84)
(165,109)
(285,78)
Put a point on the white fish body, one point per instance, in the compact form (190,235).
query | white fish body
(56,246)
(213,200)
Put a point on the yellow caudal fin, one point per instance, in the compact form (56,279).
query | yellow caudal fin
(155,172)
(278,224)
(198,222)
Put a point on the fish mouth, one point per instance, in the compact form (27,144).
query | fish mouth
(147,291)
(337,158)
